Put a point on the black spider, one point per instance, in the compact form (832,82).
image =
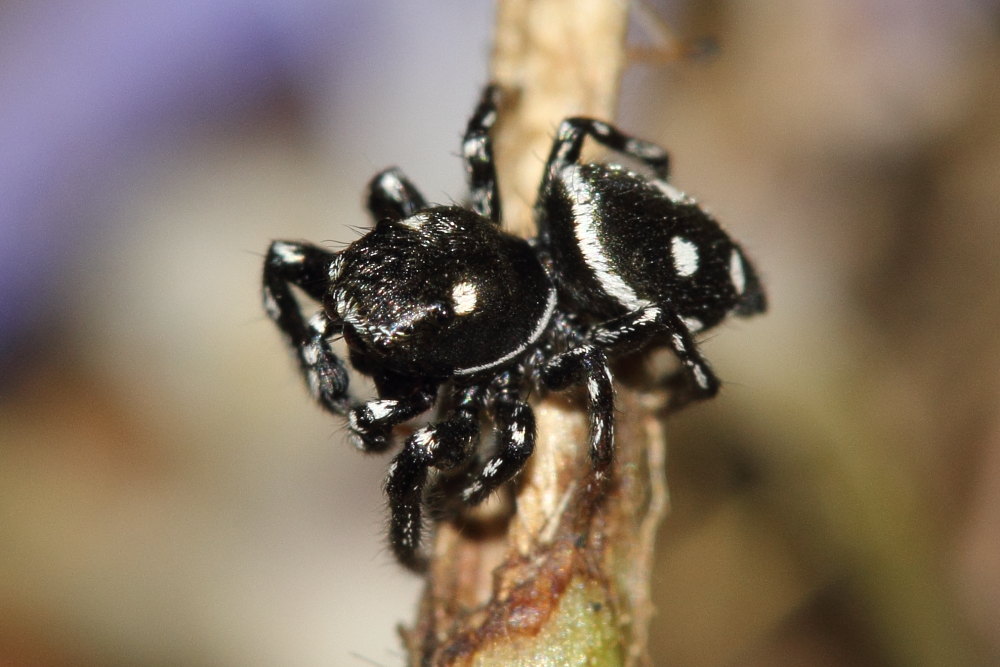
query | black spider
(437,300)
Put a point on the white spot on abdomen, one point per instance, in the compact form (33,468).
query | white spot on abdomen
(685,256)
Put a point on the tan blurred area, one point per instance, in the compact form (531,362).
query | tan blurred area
(169,494)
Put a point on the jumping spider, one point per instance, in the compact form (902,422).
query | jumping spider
(439,302)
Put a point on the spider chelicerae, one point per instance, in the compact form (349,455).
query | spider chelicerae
(439,306)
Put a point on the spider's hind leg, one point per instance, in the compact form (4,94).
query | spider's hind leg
(588,364)
(631,332)
(569,142)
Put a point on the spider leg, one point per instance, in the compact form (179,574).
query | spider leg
(442,445)
(371,422)
(569,141)
(515,441)
(634,330)
(588,363)
(306,266)
(391,196)
(326,375)
(477,149)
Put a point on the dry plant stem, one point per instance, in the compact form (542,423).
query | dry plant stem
(566,582)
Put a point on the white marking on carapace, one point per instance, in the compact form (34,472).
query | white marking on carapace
(736,273)
(336,264)
(464,297)
(415,221)
(543,322)
(679,343)
(585,229)
(685,256)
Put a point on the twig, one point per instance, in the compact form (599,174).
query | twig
(566,579)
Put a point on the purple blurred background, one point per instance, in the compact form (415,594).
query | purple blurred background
(168,494)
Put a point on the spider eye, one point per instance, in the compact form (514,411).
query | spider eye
(464,297)
(439,312)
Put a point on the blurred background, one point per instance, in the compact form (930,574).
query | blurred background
(170,495)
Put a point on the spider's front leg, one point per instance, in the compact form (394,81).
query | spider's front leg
(371,422)
(515,440)
(307,267)
(443,445)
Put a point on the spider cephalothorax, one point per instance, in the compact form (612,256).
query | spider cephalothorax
(440,293)
(438,301)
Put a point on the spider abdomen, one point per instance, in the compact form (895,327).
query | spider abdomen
(622,241)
